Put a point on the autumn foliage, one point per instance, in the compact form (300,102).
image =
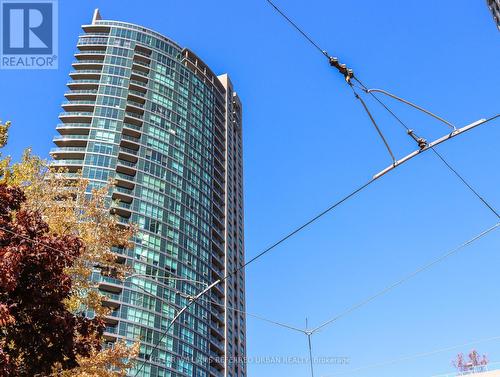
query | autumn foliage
(37,329)
(53,234)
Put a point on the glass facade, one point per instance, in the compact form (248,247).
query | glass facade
(152,116)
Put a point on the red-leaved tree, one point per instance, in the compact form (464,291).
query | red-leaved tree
(37,331)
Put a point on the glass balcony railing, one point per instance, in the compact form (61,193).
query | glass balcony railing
(70,137)
(67,162)
(67,150)
(76,113)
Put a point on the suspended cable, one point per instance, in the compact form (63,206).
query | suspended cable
(467,184)
(406,278)
(439,155)
(379,131)
(411,357)
(304,34)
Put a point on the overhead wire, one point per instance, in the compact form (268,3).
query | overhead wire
(411,357)
(439,155)
(406,278)
(350,78)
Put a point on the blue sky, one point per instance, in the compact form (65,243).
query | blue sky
(308,142)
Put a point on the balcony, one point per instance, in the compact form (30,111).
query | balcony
(136,96)
(90,55)
(217,330)
(139,76)
(217,272)
(216,362)
(111,300)
(123,194)
(97,43)
(126,167)
(140,66)
(71,140)
(125,181)
(133,118)
(69,165)
(87,64)
(73,128)
(219,291)
(132,130)
(127,154)
(96,28)
(76,117)
(83,84)
(79,106)
(130,142)
(122,209)
(83,94)
(138,86)
(142,58)
(216,315)
(135,106)
(86,74)
(217,345)
(68,153)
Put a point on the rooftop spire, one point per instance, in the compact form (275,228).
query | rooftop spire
(97,16)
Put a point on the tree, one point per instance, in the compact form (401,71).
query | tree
(66,210)
(38,330)
(70,209)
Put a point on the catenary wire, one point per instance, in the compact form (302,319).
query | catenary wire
(439,155)
(365,88)
(304,34)
(406,278)
(411,357)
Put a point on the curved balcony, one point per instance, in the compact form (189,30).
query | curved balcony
(68,153)
(71,165)
(132,130)
(127,154)
(76,117)
(86,74)
(87,64)
(130,142)
(122,209)
(92,43)
(70,140)
(109,284)
(90,55)
(73,128)
(96,28)
(135,107)
(138,86)
(126,167)
(83,84)
(125,181)
(81,94)
(141,76)
(79,106)
(123,194)
(140,66)
(137,96)
(142,58)
(133,118)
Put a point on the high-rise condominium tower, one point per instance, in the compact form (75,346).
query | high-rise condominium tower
(494,6)
(152,116)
